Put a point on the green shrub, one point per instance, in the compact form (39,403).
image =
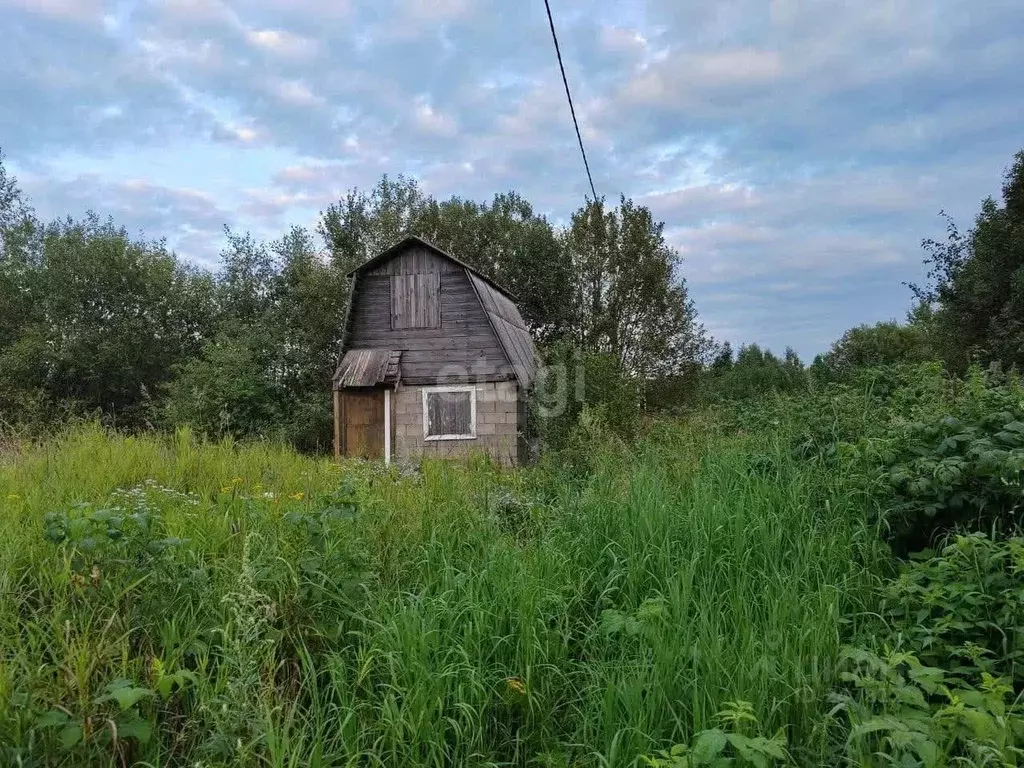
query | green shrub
(572,382)
(731,744)
(962,470)
(939,689)
(898,711)
(963,608)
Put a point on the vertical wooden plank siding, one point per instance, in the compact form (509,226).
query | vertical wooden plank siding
(337,424)
(415,301)
(364,423)
(464,341)
(416,260)
(432,299)
(387,427)
(399,309)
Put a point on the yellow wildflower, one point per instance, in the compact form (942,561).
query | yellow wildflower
(257,488)
(227,489)
(236,481)
(298,496)
(516,685)
(13,497)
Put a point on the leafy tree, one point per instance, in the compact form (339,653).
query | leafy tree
(362,224)
(104,318)
(575,382)
(18,261)
(756,372)
(510,243)
(976,281)
(819,372)
(631,301)
(225,390)
(268,369)
(306,324)
(246,281)
(886,343)
(17,222)
(723,360)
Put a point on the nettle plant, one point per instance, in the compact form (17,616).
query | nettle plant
(897,711)
(734,743)
(323,540)
(963,609)
(115,718)
(943,691)
(645,619)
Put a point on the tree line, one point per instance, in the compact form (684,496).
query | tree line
(96,322)
(969,312)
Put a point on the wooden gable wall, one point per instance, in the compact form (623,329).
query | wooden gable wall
(463,348)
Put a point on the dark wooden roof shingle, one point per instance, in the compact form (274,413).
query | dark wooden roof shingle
(510,328)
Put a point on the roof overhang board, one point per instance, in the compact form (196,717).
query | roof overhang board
(368,368)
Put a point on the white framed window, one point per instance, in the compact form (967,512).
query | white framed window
(449,413)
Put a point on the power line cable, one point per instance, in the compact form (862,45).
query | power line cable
(568,95)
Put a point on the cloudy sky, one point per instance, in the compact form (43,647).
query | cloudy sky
(797,150)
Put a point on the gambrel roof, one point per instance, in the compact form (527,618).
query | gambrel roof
(411,240)
(499,306)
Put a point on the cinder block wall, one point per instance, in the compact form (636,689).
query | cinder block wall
(496,425)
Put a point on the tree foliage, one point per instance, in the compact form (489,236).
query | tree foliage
(755,372)
(869,346)
(631,300)
(94,320)
(101,319)
(976,281)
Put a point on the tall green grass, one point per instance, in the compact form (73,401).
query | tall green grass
(463,617)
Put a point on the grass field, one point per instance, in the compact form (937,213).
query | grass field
(171,602)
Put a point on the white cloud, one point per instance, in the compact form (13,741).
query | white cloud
(295,93)
(65,10)
(436,10)
(622,39)
(282,43)
(246,134)
(180,14)
(201,54)
(275,203)
(434,122)
(681,78)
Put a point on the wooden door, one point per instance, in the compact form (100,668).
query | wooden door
(362,424)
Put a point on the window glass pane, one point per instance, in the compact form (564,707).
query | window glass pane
(449,413)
